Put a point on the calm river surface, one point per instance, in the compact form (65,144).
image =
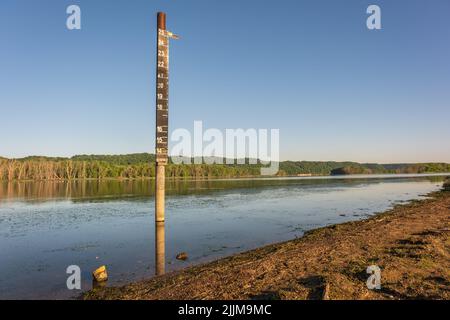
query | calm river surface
(47,226)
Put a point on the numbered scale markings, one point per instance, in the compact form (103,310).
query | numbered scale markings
(162,97)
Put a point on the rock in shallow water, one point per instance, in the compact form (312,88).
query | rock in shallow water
(100,275)
(182,256)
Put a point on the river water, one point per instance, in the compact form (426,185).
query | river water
(47,226)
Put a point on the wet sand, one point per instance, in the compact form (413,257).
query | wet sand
(410,243)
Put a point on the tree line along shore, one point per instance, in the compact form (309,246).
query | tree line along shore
(142,165)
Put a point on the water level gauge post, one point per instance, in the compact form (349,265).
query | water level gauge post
(162,132)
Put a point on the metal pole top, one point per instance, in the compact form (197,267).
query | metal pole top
(161,20)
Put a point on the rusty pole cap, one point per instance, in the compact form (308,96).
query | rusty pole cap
(161,20)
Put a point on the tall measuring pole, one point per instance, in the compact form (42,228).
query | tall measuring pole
(162,129)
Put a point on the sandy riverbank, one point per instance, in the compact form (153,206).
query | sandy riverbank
(410,243)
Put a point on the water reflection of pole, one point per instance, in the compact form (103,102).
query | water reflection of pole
(160,248)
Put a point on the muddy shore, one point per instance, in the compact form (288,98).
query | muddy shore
(410,243)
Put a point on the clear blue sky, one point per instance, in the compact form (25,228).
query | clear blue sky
(336,90)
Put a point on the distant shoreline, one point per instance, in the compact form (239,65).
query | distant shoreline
(142,166)
(293,177)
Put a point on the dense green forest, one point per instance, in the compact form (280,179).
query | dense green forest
(141,165)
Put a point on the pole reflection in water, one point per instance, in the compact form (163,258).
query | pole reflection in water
(160,248)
